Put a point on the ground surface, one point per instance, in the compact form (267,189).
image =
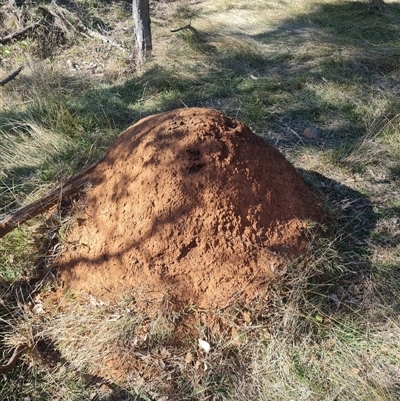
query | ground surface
(317,79)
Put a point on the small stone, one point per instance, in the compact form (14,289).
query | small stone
(311,133)
(335,299)
(330,342)
(189,358)
(204,345)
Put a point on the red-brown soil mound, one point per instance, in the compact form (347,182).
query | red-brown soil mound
(188,207)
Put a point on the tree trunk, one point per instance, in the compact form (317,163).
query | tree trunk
(141,19)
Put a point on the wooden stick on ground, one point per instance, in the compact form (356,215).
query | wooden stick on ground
(4,369)
(70,187)
(79,25)
(189,25)
(20,33)
(11,76)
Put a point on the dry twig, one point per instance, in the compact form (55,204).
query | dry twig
(71,187)
(11,76)
(183,27)
(18,352)
(19,34)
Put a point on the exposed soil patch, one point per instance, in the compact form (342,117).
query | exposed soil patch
(188,207)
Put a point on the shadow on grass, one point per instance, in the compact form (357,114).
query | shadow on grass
(284,91)
(83,386)
(359,283)
(278,93)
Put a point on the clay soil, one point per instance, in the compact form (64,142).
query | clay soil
(188,207)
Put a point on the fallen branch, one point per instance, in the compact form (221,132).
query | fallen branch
(79,25)
(11,76)
(183,27)
(97,35)
(45,11)
(70,187)
(18,352)
(19,34)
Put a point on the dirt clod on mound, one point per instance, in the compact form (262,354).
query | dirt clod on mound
(188,207)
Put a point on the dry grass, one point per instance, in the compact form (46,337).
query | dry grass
(318,332)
